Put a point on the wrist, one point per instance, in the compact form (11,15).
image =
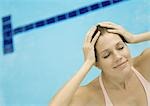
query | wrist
(136,39)
(133,39)
(89,63)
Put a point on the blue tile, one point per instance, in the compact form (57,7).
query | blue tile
(28,27)
(7,33)
(72,14)
(6,26)
(50,20)
(8,29)
(61,17)
(106,3)
(83,10)
(8,41)
(18,30)
(40,23)
(8,49)
(116,1)
(6,18)
(94,7)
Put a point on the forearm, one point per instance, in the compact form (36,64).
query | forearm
(64,96)
(142,37)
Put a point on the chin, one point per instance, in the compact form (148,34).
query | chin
(127,69)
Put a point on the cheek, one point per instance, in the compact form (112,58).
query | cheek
(106,63)
(127,53)
(129,58)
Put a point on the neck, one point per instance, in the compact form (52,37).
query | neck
(117,82)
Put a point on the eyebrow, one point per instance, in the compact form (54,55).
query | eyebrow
(120,42)
(106,50)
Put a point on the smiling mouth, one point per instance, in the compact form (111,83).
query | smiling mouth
(120,64)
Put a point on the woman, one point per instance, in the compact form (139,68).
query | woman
(125,81)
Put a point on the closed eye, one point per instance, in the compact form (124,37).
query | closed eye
(120,48)
(106,56)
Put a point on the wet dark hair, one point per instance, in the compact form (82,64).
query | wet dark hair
(103,30)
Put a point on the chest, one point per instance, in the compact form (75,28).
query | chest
(134,95)
(121,99)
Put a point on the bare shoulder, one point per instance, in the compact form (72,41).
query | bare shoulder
(143,58)
(90,95)
(142,63)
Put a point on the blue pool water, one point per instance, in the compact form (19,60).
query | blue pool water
(45,58)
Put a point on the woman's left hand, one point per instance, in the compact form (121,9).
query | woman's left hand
(117,29)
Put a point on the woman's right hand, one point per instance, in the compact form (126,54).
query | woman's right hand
(89,45)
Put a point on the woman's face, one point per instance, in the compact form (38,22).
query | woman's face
(113,55)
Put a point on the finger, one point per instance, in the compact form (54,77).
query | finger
(89,33)
(113,31)
(95,38)
(109,25)
(118,33)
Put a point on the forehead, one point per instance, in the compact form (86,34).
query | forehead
(107,41)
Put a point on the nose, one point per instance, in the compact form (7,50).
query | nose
(117,56)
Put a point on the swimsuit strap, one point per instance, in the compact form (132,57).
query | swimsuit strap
(107,99)
(145,84)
